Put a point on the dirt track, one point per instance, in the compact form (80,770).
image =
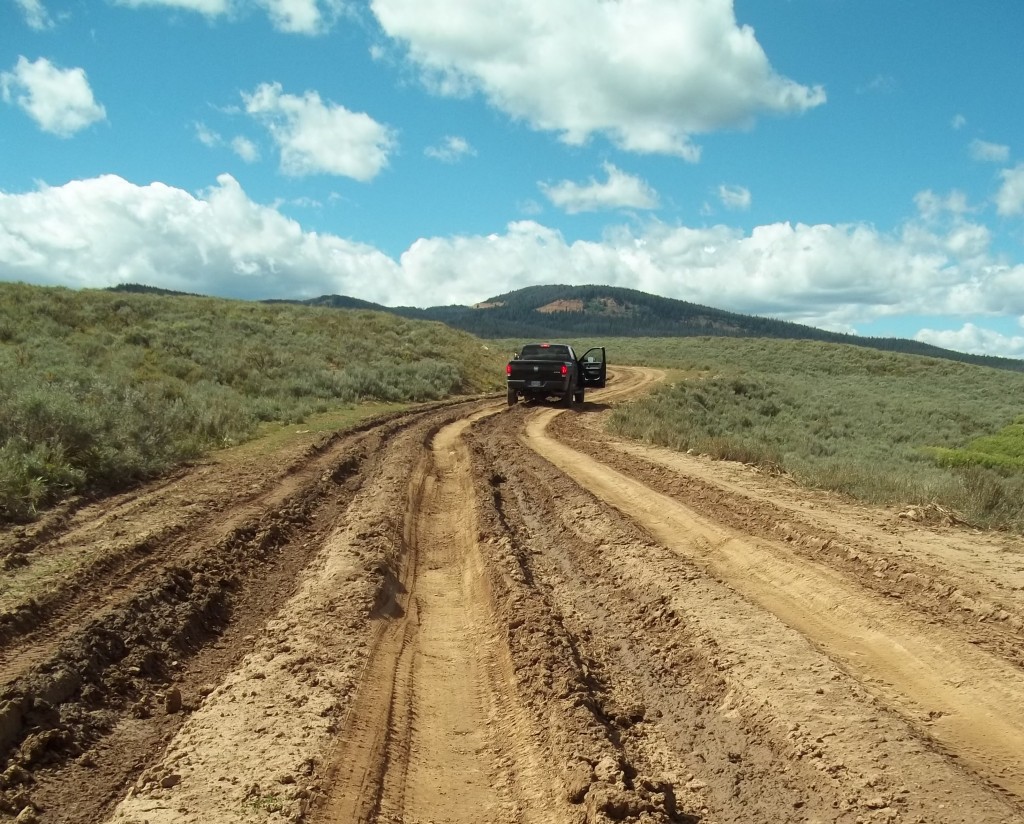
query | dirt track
(470,613)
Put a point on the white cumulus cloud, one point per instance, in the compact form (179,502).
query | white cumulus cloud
(932,206)
(619,191)
(301,16)
(209,8)
(106,230)
(207,136)
(829,276)
(734,197)
(974,339)
(450,150)
(317,137)
(59,100)
(36,15)
(245,149)
(240,145)
(648,74)
(1010,197)
(988,152)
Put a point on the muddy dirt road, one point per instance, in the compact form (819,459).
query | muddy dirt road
(470,613)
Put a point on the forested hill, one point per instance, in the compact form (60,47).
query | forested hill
(549,311)
(559,311)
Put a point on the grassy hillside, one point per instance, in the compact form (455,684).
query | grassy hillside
(883,427)
(99,390)
(560,311)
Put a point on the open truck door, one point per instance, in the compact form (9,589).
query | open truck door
(594,367)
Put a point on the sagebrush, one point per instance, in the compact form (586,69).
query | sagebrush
(99,390)
(883,427)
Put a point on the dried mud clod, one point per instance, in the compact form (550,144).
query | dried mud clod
(65,705)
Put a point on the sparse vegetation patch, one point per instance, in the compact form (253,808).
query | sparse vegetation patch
(100,390)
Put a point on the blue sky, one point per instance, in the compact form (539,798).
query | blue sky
(856,165)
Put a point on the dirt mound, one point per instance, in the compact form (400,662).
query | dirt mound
(932,514)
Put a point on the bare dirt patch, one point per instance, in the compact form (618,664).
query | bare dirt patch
(561,306)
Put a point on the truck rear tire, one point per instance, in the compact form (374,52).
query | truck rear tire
(512,397)
(578,397)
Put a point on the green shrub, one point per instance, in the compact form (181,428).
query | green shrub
(33,477)
(1003,450)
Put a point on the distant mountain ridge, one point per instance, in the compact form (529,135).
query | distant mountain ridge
(560,311)
(563,311)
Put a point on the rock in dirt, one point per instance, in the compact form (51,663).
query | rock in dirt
(606,803)
(608,770)
(27,816)
(171,780)
(172,701)
(578,781)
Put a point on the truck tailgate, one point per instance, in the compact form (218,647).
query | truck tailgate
(540,371)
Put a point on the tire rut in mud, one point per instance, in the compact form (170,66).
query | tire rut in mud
(260,744)
(96,700)
(422,735)
(994,618)
(657,679)
(943,658)
(504,720)
(94,556)
(958,734)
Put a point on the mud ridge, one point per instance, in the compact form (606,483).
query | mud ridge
(57,527)
(57,602)
(562,686)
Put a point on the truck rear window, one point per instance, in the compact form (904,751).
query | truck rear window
(554,352)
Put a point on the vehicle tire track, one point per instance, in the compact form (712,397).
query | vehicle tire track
(467,630)
(428,738)
(924,672)
(82,711)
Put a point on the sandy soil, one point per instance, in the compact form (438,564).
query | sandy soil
(474,613)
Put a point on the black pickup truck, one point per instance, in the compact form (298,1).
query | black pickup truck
(552,370)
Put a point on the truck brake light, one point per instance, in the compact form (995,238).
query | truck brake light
(508,369)
(565,370)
